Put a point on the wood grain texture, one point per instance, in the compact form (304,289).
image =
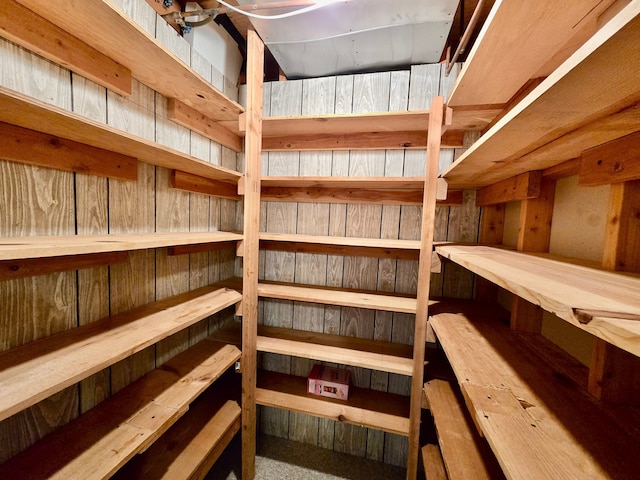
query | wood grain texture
(524,409)
(36,201)
(34,371)
(577,85)
(520,187)
(465,453)
(285,99)
(48,40)
(559,287)
(128,422)
(133,284)
(148,59)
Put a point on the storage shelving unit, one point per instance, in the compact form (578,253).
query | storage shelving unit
(111,49)
(567,108)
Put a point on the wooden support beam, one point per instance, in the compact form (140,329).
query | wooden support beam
(453,198)
(208,186)
(563,170)
(424,280)
(521,187)
(613,162)
(360,141)
(11,269)
(29,30)
(253,142)
(622,235)
(491,232)
(614,374)
(203,247)
(22,145)
(189,117)
(534,234)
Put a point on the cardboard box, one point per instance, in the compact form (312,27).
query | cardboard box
(329,382)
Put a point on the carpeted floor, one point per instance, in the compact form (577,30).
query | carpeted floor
(280,459)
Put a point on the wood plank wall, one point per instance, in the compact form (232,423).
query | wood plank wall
(40,201)
(387,91)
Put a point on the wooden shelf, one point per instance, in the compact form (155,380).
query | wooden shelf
(524,409)
(600,302)
(99,442)
(14,248)
(31,114)
(191,446)
(363,131)
(348,246)
(118,37)
(39,369)
(588,100)
(335,296)
(491,61)
(466,455)
(357,352)
(354,190)
(379,410)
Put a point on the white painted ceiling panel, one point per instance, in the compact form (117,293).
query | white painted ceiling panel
(358,35)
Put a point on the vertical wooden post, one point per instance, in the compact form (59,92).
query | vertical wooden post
(436,115)
(491,232)
(253,147)
(614,374)
(534,235)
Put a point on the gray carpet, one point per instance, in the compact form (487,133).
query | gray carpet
(280,459)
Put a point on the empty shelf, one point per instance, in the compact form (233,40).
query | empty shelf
(119,38)
(357,352)
(99,442)
(385,190)
(36,370)
(344,298)
(190,448)
(13,248)
(466,455)
(379,410)
(27,112)
(588,100)
(600,302)
(523,408)
(353,246)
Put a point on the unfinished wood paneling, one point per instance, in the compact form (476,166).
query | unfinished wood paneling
(286,99)
(371,92)
(36,201)
(318,96)
(90,99)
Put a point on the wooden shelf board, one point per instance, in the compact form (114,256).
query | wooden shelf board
(342,297)
(491,61)
(561,287)
(366,190)
(46,39)
(466,455)
(523,409)
(433,463)
(36,370)
(107,436)
(382,183)
(379,410)
(570,102)
(27,112)
(14,248)
(350,246)
(117,36)
(191,446)
(357,352)
(335,124)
